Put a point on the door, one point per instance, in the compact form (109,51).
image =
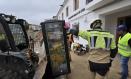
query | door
(56,46)
(126,21)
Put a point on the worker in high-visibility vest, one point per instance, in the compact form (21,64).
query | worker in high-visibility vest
(124,49)
(102,50)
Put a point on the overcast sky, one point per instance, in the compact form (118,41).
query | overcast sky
(34,11)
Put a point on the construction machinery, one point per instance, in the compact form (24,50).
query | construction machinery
(17,57)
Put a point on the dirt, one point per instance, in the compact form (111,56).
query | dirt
(79,68)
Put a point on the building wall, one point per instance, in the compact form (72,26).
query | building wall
(84,18)
(107,10)
(76,19)
(71,8)
(112,19)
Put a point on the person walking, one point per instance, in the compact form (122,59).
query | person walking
(124,49)
(102,49)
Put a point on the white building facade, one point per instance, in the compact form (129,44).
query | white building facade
(84,12)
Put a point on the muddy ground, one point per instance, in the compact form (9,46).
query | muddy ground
(79,68)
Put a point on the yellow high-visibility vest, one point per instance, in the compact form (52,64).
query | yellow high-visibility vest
(123,48)
(99,39)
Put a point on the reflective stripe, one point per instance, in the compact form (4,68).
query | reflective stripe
(127,51)
(108,43)
(102,35)
(99,48)
(94,34)
(100,40)
(124,52)
(124,47)
(92,41)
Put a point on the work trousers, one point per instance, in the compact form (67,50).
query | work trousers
(124,66)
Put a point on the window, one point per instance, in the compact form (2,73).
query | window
(17,33)
(67,11)
(76,4)
(88,1)
(62,16)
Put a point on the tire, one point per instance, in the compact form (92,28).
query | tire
(12,67)
(9,74)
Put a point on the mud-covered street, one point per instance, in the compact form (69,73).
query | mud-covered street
(79,68)
(38,39)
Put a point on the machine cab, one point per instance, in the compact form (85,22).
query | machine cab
(13,33)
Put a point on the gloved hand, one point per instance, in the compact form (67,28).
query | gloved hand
(110,64)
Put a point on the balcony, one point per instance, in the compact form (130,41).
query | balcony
(97,4)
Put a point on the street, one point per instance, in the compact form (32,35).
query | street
(79,68)
(36,32)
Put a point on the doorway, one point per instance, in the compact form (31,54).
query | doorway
(126,21)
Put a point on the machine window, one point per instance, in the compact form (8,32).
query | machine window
(17,33)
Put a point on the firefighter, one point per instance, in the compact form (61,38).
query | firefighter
(124,49)
(102,49)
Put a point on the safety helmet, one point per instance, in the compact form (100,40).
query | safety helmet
(96,24)
(121,28)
